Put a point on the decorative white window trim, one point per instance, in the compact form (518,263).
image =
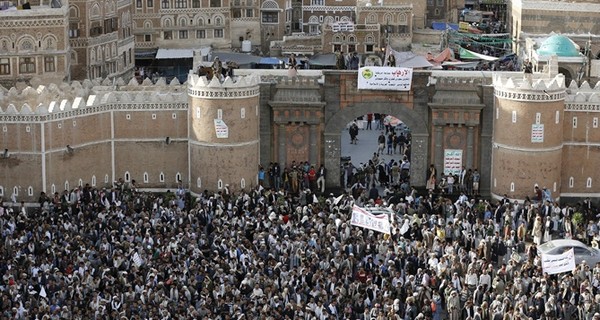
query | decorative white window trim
(80,182)
(243,183)
(243,113)
(16,191)
(574,122)
(538,117)
(595,122)
(514,116)
(146,177)
(199,182)
(106,178)
(220,184)
(154,116)
(220,114)
(4,129)
(174,115)
(554,187)
(30,191)
(74,123)
(27,129)
(588,182)
(60,125)
(127,176)
(53,189)
(67,186)
(497,113)
(161,177)
(177,177)
(128,117)
(93,181)
(494,182)
(571,182)
(198,112)
(512,187)
(557,117)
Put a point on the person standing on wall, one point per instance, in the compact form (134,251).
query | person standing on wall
(527,70)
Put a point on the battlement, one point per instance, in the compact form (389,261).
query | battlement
(71,99)
(583,93)
(236,87)
(539,82)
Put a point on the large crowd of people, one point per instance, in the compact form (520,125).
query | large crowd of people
(289,253)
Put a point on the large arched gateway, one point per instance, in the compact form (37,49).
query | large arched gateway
(338,120)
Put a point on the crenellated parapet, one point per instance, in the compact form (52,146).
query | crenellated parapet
(583,98)
(53,102)
(238,87)
(509,87)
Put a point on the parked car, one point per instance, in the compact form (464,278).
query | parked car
(582,252)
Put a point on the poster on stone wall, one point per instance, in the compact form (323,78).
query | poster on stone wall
(452,161)
(221,129)
(385,78)
(537,133)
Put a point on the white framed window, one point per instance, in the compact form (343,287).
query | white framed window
(106,178)
(243,113)
(146,177)
(512,187)
(220,114)
(574,122)
(74,123)
(1,191)
(161,177)
(571,182)
(128,117)
(554,187)
(595,122)
(557,117)
(197,112)
(514,117)
(538,117)
(93,181)
(154,116)
(30,191)
(243,183)
(199,182)
(174,115)
(4,129)
(67,186)
(16,191)
(60,125)
(127,176)
(27,129)
(53,189)
(588,182)
(178,177)
(80,182)
(497,113)
(220,184)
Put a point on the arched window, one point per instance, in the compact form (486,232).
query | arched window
(512,187)
(93,181)
(146,177)
(243,183)
(372,18)
(571,182)
(243,113)
(220,184)
(199,182)
(127,176)
(161,177)
(106,178)
(588,182)
(30,191)
(16,191)
(53,189)
(80,183)
(67,185)
(178,177)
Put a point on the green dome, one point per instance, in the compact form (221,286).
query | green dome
(558,45)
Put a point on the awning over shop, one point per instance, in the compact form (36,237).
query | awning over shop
(174,53)
(444,26)
(468,54)
(145,54)
(327,59)
(239,58)
(407,59)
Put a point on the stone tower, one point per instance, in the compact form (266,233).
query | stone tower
(528,134)
(223,132)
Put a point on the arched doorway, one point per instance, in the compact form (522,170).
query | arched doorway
(336,122)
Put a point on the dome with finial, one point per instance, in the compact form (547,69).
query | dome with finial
(558,45)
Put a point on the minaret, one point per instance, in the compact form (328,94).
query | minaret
(528,134)
(223,145)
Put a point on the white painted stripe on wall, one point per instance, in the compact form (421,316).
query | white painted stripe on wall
(223,145)
(504,146)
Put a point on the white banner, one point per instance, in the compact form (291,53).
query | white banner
(363,218)
(385,78)
(558,263)
(221,129)
(452,161)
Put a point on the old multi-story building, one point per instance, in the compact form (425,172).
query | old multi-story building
(34,43)
(101,38)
